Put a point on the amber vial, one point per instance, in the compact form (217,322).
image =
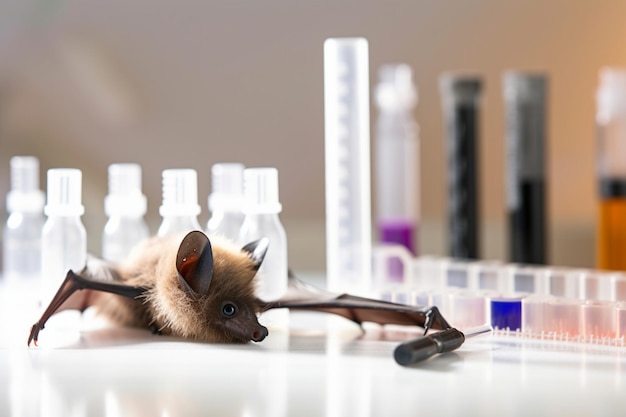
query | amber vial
(612,225)
(611,169)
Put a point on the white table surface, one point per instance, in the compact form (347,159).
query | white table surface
(318,367)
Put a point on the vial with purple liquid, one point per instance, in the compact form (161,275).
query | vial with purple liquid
(397,152)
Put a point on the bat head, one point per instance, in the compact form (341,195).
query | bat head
(218,281)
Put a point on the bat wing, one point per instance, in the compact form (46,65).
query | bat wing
(302,296)
(73,283)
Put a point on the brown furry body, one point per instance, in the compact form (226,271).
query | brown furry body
(169,307)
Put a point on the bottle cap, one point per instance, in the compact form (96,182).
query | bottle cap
(457,88)
(125,197)
(261,190)
(526,86)
(180,193)
(64,192)
(25,195)
(395,90)
(611,94)
(227,187)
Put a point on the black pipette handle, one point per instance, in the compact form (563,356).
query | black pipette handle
(426,346)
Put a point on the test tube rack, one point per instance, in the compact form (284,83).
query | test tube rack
(549,303)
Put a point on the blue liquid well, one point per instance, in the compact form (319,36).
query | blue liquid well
(506,313)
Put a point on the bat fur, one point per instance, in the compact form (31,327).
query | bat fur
(175,306)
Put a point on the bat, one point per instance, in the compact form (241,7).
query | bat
(203,289)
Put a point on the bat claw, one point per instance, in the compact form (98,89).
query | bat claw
(34,333)
(433,318)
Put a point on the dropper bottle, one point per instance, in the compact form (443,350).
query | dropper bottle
(180,208)
(22,234)
(64,239)
(261,208)
(125,205)
(397,157)
(226,200)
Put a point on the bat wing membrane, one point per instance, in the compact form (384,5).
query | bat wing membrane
(301,296)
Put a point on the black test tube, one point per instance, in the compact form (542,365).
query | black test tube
(460,97)
(525,104)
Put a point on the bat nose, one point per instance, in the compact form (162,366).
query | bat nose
(259,334)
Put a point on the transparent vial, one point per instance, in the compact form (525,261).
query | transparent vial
(125,205)
(226,200)
(261,209)
(64,238)
(22,232)
(180,208)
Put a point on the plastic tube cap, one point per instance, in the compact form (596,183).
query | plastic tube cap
(125,197)
(396,90)
(227,187)
(180,193)
(64,192)
(611,94)
(460,88)
(525,86)
(261,191)
(25,195)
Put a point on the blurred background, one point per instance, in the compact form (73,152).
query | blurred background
(186,84)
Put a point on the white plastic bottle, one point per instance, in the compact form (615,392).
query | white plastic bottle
(22,234)
(180,206)
(226,200)
(261,208)
(125,205)
(64,239)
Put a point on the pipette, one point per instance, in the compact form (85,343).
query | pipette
(347,154)
(424,347)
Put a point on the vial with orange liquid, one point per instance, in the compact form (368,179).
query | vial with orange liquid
(611,169)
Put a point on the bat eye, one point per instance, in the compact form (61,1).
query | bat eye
(229,310)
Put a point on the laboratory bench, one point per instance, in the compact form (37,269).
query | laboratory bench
(320,365)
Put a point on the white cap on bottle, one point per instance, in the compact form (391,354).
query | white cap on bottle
(611,94)
(25,195)
(396,90)
(180,193)
(125,197)
(261,190)
(64,192)
(226,187)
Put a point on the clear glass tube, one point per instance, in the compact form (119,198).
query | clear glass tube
(397,155)
(347,154)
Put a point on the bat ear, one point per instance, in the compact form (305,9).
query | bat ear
(194,263)
(257,250)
